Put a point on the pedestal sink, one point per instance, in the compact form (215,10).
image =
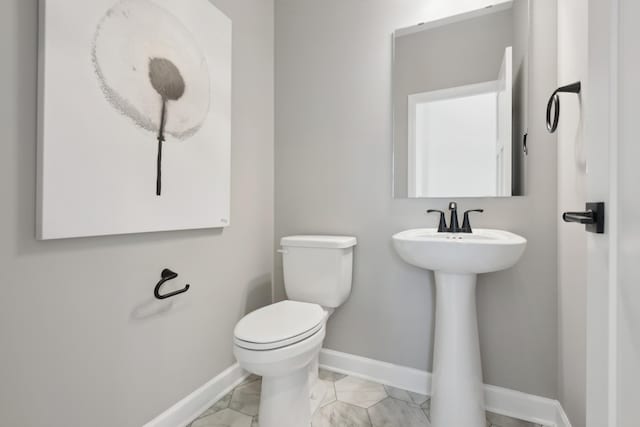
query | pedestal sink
(456,259)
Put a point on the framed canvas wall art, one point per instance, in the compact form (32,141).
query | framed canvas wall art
(134,117)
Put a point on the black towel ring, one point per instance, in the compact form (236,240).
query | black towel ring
(554,102)
(166,276)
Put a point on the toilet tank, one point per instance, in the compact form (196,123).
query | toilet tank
(318,269)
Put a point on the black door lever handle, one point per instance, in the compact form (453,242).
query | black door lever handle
(592,217)
(579,217)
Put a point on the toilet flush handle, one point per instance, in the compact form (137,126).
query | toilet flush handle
(282,251)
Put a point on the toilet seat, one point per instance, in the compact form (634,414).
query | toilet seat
(279,325)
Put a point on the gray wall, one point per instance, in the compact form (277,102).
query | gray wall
(453,55)
(333,175)
(573,46)
(83,342)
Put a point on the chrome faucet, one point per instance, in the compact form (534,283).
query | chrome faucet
(454,225)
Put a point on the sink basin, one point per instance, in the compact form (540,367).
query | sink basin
(457,258)
(482,251)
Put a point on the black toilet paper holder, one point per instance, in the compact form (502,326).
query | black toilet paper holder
(166,276)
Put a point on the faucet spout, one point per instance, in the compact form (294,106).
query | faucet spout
(454,225)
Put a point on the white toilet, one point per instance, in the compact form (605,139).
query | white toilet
(281,342)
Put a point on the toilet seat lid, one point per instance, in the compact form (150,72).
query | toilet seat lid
(279,324)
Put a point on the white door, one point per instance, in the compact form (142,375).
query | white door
(504,124)
(627,343)
(612,116)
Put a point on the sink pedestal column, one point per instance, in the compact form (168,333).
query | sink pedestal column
(457,393)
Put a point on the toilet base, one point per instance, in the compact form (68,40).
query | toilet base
(284,400)
(314,369)
(287,373)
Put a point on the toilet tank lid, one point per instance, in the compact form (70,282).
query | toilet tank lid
(333,242)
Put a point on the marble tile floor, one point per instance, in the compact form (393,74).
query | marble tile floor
(338,401)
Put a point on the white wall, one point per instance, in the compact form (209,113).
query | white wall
(572,239)
(333,175)
(82,340)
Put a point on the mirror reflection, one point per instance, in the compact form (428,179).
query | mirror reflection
(459,104)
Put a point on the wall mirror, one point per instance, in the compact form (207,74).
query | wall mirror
(460,104)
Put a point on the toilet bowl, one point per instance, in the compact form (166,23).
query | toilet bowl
(281,341)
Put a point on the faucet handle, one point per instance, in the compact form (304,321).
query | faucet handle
(442,225)
(453,206)
(466,224)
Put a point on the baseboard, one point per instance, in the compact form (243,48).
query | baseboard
(409,379)
(528,407)
(524,406)
(540,410)
(562,420)
(188,409)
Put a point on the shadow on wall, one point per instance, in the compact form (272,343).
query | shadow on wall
(151,308)
(154,307)
(259,293)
